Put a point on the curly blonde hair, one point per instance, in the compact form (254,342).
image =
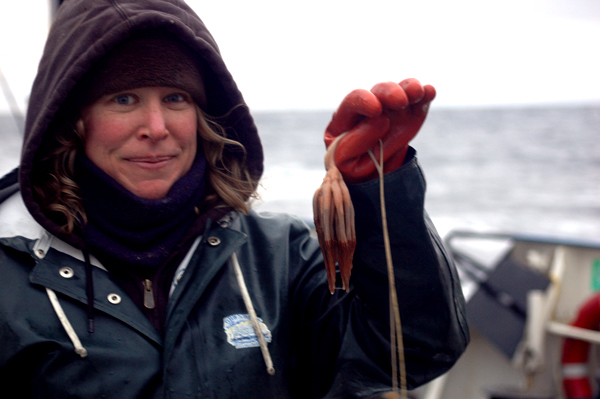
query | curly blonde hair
(229,182)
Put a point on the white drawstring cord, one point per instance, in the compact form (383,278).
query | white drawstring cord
(250,308)
(79,349)
(396,339)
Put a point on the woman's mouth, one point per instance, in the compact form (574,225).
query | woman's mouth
(151,161)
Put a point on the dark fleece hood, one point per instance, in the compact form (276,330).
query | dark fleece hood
(83,32)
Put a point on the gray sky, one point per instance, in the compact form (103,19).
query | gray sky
(309,54)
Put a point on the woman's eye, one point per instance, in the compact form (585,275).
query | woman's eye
(175,98)
(124,99)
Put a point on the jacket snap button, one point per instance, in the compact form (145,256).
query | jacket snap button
(213,241)
(66,272)
(115,299)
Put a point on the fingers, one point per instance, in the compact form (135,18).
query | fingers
(429,93)
(364,136)
(413,89)
(391,112)
(355,106)
(391,95)
(395,96)
(427,98)
(417,92)
(419,96)
(361,104)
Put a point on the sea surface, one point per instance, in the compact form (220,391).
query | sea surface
(516,170)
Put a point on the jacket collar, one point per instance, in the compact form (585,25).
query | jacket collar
(16,221)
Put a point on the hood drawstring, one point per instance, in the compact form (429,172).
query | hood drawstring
(79,349)
(40,249)
(250,308)
(89,290)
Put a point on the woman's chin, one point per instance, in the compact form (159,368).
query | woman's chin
(150,190)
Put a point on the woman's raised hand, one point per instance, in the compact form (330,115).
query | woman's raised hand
(392,112)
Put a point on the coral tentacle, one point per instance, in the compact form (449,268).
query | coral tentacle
(334,222)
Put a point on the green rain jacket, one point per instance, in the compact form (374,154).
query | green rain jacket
(322,345)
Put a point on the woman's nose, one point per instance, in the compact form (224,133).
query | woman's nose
(154,126)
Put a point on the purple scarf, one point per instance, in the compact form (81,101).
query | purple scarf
(138,232)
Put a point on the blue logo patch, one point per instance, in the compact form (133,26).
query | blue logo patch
(240,333)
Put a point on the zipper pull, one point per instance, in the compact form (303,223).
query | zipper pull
(148,294)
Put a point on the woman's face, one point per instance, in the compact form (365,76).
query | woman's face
(143,138)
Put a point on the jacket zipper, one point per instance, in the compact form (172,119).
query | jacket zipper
(148,294)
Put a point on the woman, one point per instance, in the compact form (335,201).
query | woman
(120,241)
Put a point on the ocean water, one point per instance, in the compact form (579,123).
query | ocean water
(517,170)
(522,170)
